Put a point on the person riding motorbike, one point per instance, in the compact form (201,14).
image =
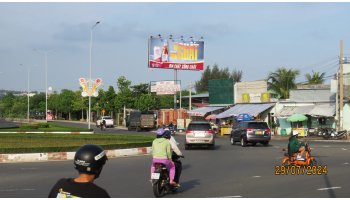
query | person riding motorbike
(89,161)
(295,146)
(103,124)
(161,153)
(175,155)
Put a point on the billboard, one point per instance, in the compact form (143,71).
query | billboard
(175,54)
(165,87)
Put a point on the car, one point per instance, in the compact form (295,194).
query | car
(199,133)
(108,119)
(251,132)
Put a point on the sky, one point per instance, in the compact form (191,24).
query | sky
(256,38)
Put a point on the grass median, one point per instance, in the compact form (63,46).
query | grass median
(45,127)
(37,143)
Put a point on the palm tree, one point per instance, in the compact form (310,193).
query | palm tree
(315,78)
(282,80)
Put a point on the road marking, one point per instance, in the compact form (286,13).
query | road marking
(346,163)
(256,176)
(331,188)
(326,146)
(16,189)
(344,149)
(29,168)
(230,197)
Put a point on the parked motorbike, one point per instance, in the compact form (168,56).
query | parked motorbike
(161,180)
(292,159)
(335,135)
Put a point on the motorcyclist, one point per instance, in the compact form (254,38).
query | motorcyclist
(295,146)
(103,124)
(161,153)
(171,126)
(89,161)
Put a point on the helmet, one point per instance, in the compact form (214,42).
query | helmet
(167,134)
(89,159)
(160,132)
(295,132)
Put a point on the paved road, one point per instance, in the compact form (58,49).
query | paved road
(227,171)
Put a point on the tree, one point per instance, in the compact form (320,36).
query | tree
(216,73)
(79,102)
(66,100)
(124,95)
(282,81)
(315,78)
(146,102)
(236,75)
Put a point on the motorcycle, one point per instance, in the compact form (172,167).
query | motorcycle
(292,159)
(336,135)
(161,180)
(172,130)
(102,126)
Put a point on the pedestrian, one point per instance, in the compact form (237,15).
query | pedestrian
(89,161)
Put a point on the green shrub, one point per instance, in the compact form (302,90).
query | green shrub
(43,125)
(29,127)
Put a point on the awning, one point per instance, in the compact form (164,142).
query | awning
(326,110)
(251,109)
(203,110)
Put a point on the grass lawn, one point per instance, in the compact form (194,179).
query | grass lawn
(37,143)
(47,127)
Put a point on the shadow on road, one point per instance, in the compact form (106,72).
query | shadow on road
(188,185)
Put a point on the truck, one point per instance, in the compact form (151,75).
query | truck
(140,121)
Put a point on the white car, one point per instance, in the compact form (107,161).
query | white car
(108,119)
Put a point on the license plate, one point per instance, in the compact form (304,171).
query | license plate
(199,134)
(258,132)
(155,176)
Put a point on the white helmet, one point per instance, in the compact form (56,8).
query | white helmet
(295,132)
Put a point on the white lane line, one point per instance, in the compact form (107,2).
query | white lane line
(256,176)
(346,163)
(344,149)
(326,146)
(230,197)
(331,188)
(29,168)
(16,189)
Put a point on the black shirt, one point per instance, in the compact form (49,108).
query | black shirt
(67,188)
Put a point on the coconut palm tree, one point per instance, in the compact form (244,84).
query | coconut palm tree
(315,78)
(282,80)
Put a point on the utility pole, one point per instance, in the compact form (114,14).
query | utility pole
(341,88)
(190,100)
(337,103)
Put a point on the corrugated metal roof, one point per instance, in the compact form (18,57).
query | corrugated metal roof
(203,110)
(310,95)
(290,110)
(326,110)
(251,109)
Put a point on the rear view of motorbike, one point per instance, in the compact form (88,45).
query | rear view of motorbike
(160,181)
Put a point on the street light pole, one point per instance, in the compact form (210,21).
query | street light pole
(27,93)
(90,81)
(45,54)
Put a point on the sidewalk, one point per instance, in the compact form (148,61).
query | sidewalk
(310,138)
(61,156)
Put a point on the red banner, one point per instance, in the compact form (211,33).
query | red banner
(180,66)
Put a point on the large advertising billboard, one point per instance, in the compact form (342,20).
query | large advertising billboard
(176,54)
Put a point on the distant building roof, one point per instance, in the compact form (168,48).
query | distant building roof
(311,96)
(205,95)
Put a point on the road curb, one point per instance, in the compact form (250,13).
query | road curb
(61,156)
